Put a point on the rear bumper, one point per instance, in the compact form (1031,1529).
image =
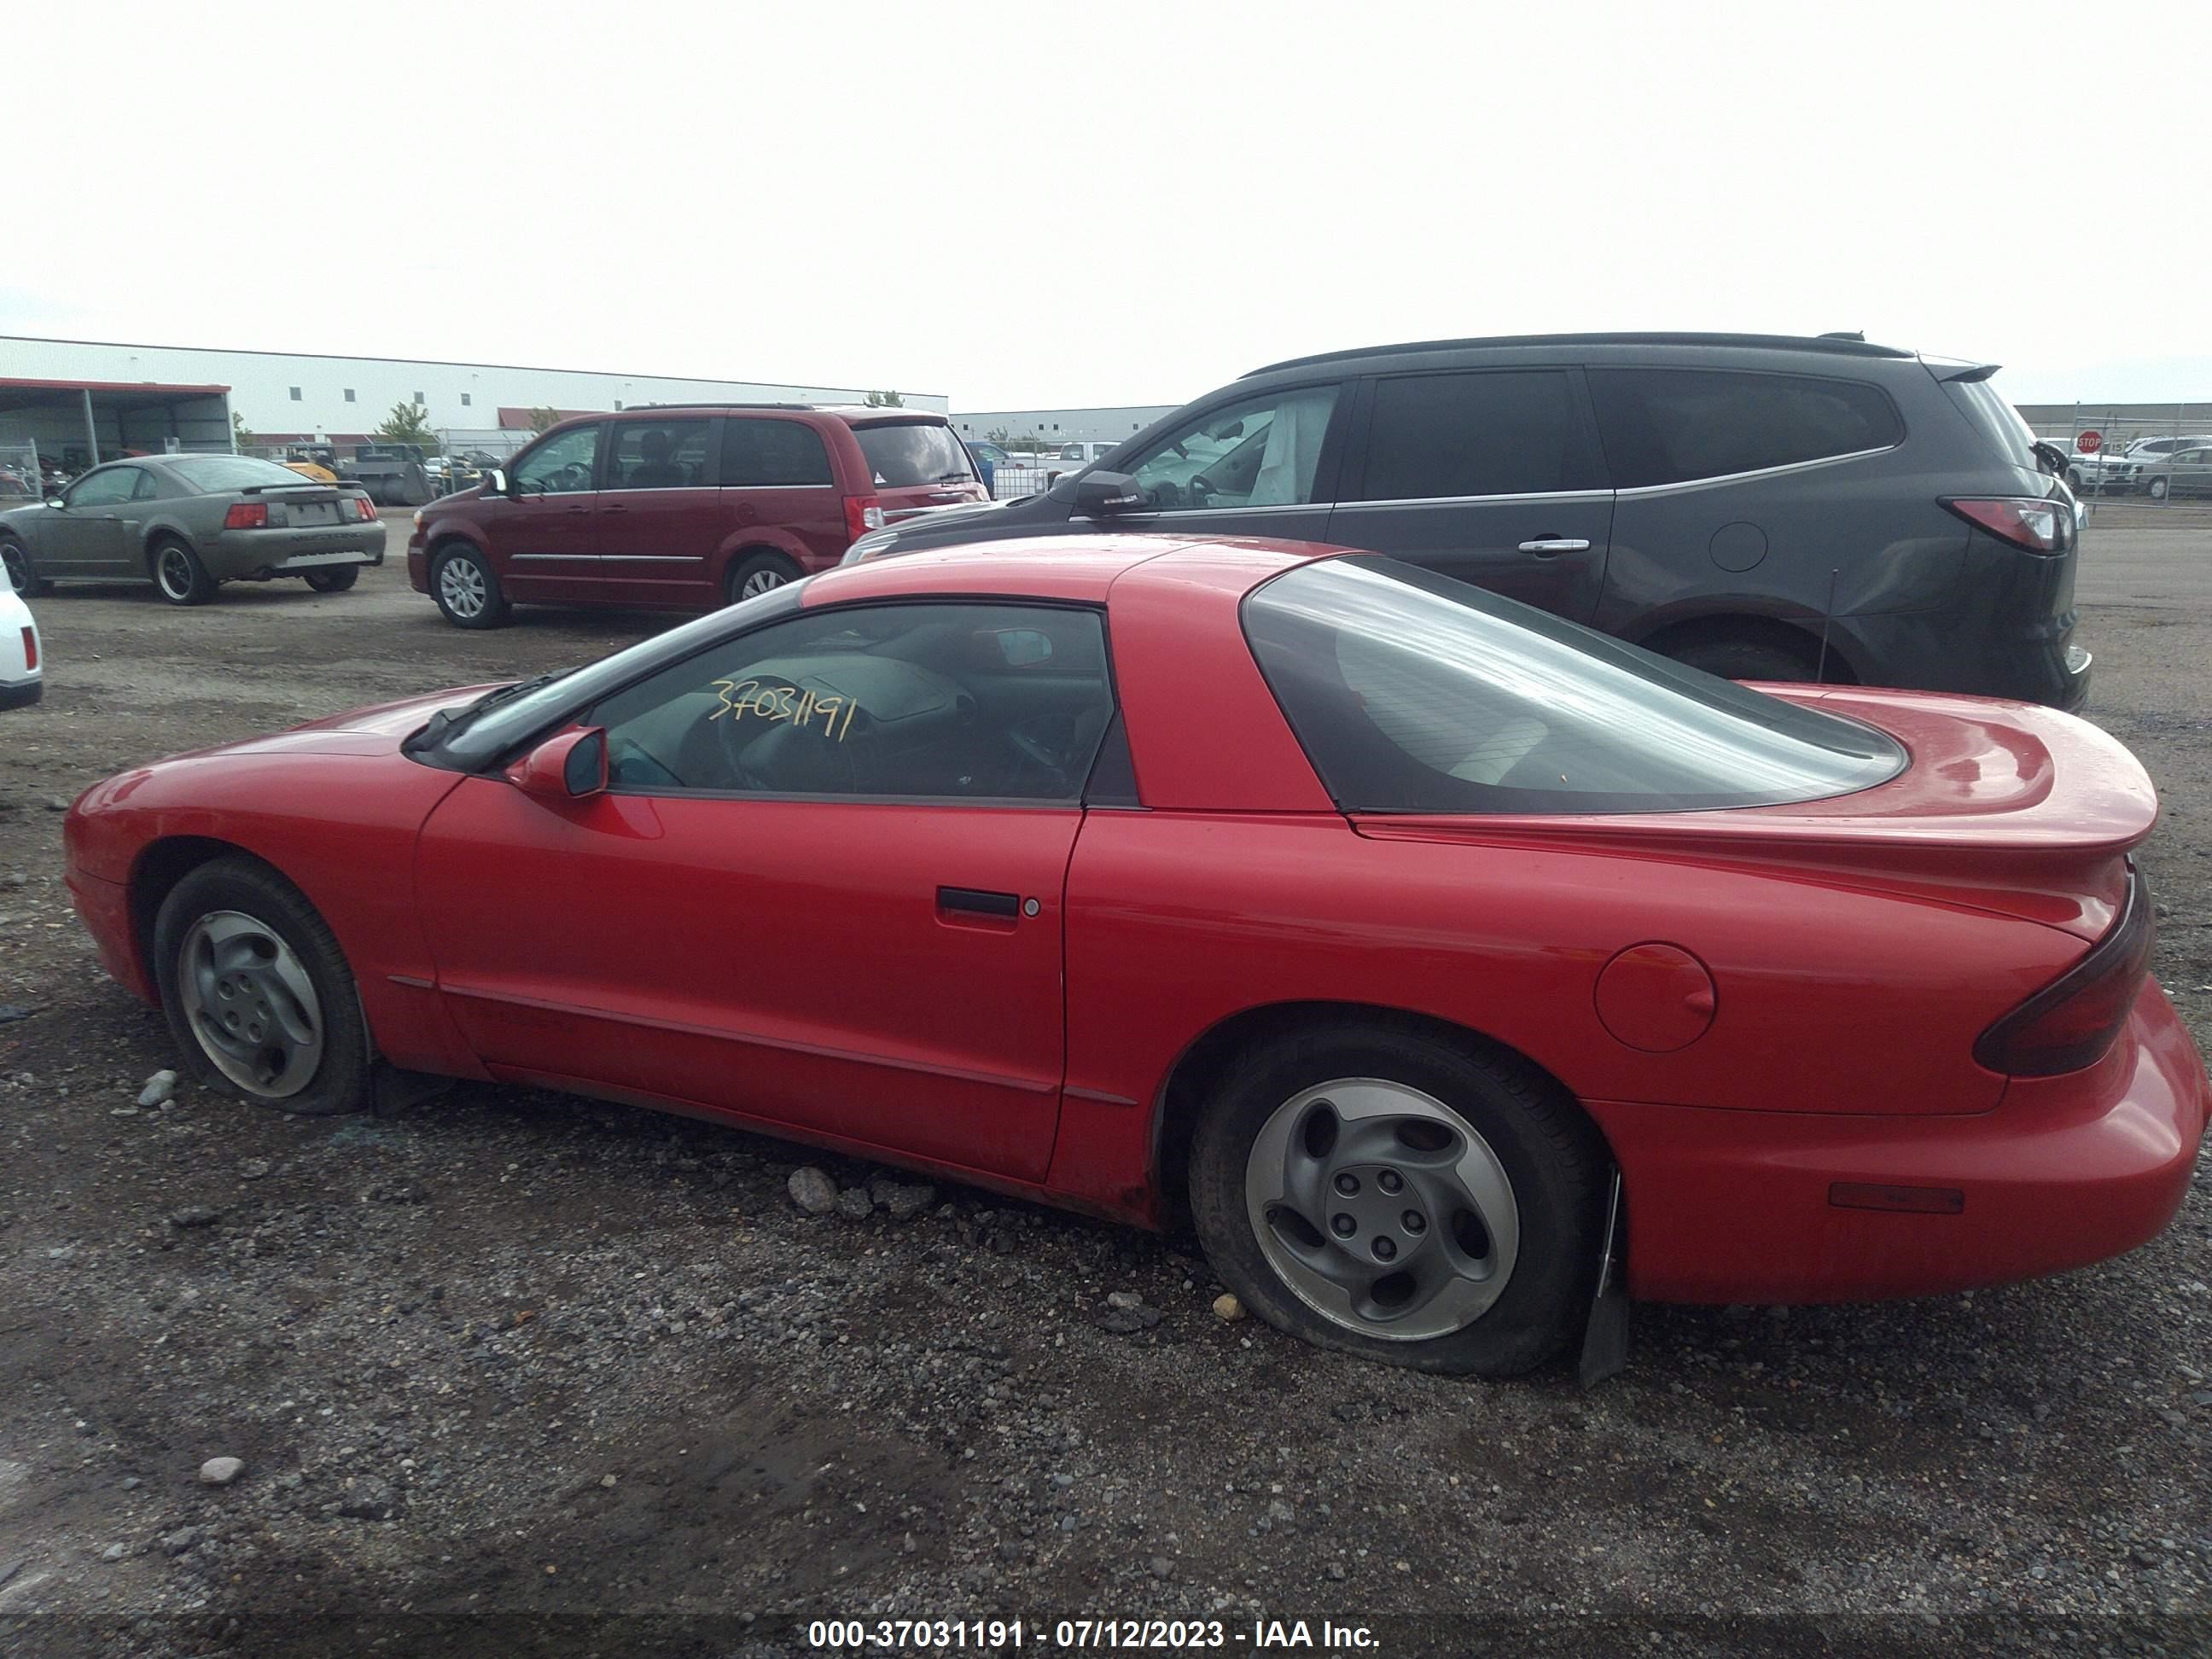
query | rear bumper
(2035,662)
(21,694)
(1735,1206)
(236,553)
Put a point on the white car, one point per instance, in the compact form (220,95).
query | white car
(22,675)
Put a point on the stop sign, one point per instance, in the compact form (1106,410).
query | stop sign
(2089,442)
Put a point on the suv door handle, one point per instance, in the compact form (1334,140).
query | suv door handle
(1547,545)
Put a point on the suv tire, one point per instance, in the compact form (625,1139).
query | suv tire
(1744,659)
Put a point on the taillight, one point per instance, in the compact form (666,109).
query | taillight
(365,509)
(2029,521)
(246,515)
(30,648)
(2071,1022)
(862,514)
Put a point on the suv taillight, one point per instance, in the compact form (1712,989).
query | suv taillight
(2029,521)
(246,515)
(862,514)
(2071,1022)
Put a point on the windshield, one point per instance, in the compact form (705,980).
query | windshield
(901,454)
(229,471)
(1414,693)
(474,740)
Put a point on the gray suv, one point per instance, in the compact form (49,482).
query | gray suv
(1762,507)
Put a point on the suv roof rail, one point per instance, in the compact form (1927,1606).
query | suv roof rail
(717,403)
(1834,345)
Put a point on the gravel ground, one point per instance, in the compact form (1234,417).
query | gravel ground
(595,1372)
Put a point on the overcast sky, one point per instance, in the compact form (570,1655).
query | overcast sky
(1058,204)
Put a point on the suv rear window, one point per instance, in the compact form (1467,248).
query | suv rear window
(1984,407)
(1668,425)
(901,453)
(1414,693)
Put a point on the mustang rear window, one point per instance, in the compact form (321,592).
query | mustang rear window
(1414,693)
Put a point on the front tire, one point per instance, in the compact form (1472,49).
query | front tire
(178,575)
(1381,1190)
(467,590)
(22,575)
(757,573)
(257,992)
(334,581)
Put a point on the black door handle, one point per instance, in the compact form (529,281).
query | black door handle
(980,901)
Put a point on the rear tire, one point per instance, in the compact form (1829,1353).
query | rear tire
(257,992)
(1744,659)
(334,581)
(466,590)
(1468,1242)
(178,576)
(757,573)
(22,575)
(2157,489)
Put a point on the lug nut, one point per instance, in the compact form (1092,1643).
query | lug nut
(1384,1249)
(1343,1225)
(1414,1221)
(1389,1181)
(1347,1183)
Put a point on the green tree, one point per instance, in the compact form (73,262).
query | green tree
(542,420)
(241,435)
(407,424)
(997,434)
(885,401)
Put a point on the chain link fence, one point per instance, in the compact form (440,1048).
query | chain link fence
(2121,460)
(20,478)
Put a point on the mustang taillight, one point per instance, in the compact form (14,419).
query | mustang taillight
(2071,1022)
(2029,521)
(246,515)
(30,649)
(365,509)
(862,514)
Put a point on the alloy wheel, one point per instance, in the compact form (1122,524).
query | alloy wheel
(248,1000)
(762,581)
(461,586)
(18,567)
(174,571)
(1381,1210)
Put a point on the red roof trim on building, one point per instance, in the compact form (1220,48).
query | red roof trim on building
(115,385)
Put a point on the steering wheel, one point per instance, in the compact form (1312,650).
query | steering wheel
(1200,490)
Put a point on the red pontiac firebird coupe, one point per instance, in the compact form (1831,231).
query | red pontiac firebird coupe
(1372,920)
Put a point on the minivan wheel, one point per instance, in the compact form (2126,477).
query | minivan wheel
(257,992)
(1386,1192)
(1744,659)
(756,574)
(466,590)
(2158,488)
(179,573)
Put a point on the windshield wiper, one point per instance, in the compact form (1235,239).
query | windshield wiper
(953,477)
(447,719)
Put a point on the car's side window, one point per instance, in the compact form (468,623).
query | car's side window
(1670,425)
(145,489)
(562,465)
(934,702)
(1504,432)
(1265,451)
(657,455)
(107,486)
(765,454)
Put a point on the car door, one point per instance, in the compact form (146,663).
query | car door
(660,514)
(86,535)
(1490,475)
(1264,464)
(823,888)
(777,489)
(544,536)
(2192,472)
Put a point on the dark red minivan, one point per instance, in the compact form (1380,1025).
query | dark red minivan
(682,507)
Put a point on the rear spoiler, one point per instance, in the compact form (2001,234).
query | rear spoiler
(1969,374)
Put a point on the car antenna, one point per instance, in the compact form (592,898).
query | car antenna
(1820,667)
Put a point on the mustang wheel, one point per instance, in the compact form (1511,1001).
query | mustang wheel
(16,558)
(758,575)
(1378,1189)
(257,992)
(177,572)
(334,581)
(466,590)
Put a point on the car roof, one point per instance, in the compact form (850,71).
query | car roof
(850,413)
(1827,344)
(1077,569)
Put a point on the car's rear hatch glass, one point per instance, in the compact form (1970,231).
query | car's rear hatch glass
(918,455)
(1412,692)
(1997,420)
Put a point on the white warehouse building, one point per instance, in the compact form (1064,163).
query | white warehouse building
(301,397)
(1055,427)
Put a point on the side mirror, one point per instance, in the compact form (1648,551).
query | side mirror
(1104,494)
(55,500)
(570,766)
(495,481)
